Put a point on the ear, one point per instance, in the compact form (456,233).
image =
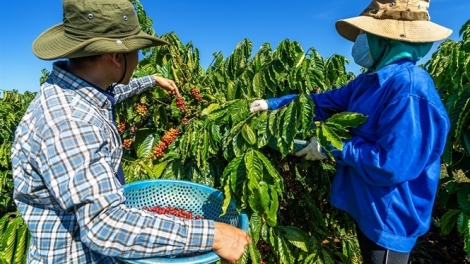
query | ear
(114,58)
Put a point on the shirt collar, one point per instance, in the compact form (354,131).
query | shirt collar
(388,71)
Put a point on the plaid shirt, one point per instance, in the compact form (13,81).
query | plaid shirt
(65,156)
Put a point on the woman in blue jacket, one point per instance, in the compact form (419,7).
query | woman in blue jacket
(388,173)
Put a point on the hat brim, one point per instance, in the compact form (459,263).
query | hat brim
(408,31)
(54,44)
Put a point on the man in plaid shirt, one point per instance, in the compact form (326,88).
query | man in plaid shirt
(66,156)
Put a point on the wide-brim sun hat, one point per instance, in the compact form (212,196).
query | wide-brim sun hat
(404,20)
(92,27)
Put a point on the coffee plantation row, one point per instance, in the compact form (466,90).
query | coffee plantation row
(209,136)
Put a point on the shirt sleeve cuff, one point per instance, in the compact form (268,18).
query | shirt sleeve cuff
(201,236)
(151,80)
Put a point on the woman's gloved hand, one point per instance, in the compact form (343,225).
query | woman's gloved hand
(313,151)
(258,105)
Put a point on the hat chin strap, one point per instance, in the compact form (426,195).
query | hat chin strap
(111,86)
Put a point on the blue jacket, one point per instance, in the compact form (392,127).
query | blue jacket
(388,173)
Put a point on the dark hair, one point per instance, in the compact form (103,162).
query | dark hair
(80,60)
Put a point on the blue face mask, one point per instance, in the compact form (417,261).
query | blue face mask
(361,52)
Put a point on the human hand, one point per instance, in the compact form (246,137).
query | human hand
(313,151)
(168,85)
(229,242)
(258,105)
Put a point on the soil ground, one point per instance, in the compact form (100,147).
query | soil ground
(435,248)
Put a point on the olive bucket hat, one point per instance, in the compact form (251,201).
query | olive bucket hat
(404,20)
(94,27)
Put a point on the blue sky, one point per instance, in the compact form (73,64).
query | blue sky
(211,26)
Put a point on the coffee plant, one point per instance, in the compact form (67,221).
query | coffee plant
(14,234)
(209,136)
(450,68)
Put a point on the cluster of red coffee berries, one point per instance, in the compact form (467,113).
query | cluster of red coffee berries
(127,143)
(159,149)
(170,135)
(180,103)
(168,210)
(166,140)
(121,127)
(197,95)
(184,121)
(141,109)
